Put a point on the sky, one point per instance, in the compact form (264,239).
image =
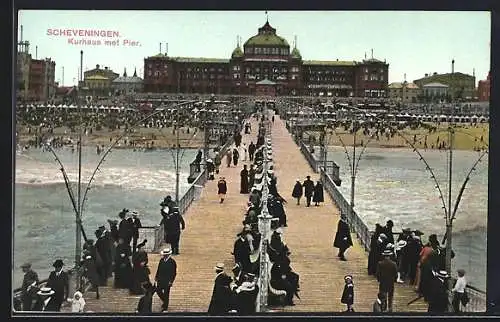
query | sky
(412,42)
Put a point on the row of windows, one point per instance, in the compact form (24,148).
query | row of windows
(267,51)
(373,77)
(327,79)
(333,72)
(381,70)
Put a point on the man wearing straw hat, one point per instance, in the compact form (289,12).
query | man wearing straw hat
(165,276)
(45,295)
(29,287)
(438,296)
(221,295)
(387,273)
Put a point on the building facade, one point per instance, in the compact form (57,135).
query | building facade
(42,79)
(98,81)
(461,86)
(127,84)
(266,56)
(435,92)
(484,88)
(23,69)
(404,92)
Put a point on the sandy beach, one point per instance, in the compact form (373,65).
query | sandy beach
(159,138)
(467,137)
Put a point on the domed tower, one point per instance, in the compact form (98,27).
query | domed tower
(266,57)
(236,67)
(295,74)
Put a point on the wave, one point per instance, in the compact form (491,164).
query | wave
(40,174)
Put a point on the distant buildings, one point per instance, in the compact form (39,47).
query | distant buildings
(98,81)
(404,92)
(484,89)
(436,91)
(127,84)
(35,77)
(460,86)
(267,65)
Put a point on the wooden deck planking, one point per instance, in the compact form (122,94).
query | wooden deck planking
(209,237)
(211,230)
(310,235)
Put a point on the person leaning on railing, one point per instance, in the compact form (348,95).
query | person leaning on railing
(459,294)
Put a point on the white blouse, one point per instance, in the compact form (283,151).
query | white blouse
(460,285)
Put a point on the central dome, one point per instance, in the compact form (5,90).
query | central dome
(266,37)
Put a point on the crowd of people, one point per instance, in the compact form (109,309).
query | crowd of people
(408,260)
(39,122)
(114,253)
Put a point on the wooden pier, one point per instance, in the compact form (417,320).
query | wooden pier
(211,230)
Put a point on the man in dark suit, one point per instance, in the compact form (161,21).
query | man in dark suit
(165,277)
(59,282)
(221,295)
(241,252)
(136,224)
(102,246)
(308,190)
(387,273)
(172,224)
(124,227)
(29,287)
(343,238)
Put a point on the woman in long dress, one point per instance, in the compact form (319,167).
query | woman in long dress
(123,268)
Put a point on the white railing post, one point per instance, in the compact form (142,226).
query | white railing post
(265,230)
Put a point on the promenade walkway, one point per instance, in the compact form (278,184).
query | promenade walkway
(310,235)
(209,237)
(211,229)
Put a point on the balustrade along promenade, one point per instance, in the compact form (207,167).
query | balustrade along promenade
(211,229)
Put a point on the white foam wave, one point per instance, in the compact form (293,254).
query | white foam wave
(36,173)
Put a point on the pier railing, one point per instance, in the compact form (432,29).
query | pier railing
(477,297)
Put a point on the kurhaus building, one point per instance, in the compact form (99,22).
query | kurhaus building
(266,66)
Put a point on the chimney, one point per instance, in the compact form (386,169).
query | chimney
(21,40)
(36,52)
(160,48)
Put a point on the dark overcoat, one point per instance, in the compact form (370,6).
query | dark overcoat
(145,304)
(28,295)
(348,294)
(222,187)
(373,255)
(308,188)
(244,181)
(60,285)
(297,190)
(123,269)
(166,273)
(387,273)
(343,236)
(318,193)
(241,252)
(221,295)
